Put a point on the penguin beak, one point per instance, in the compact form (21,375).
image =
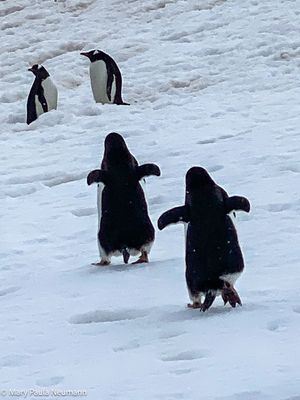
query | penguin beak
(30,69)
(84,54)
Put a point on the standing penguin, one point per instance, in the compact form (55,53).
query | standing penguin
(213,256)
(106,78)
(124,225)
(43,94)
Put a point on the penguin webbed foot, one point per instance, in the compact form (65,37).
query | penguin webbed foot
(230,295)
(194,305)
(208,300)
(142,259)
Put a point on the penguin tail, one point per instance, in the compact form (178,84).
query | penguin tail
(126,255)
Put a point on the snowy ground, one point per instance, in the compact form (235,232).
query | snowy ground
(211,83)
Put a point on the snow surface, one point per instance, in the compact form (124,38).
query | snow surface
(210,82)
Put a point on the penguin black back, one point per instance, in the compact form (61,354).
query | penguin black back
(213,256)
(125,226)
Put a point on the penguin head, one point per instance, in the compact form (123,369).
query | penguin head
(94,55)
(116,151)
(39,71)
(198,178)
(202,193)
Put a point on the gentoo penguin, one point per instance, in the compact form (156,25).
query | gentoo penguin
(43,94)
(213,256)
(124,225)
(106,78)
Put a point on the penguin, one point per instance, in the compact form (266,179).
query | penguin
(213,256)
(106,78)
(43,94)
(124,224)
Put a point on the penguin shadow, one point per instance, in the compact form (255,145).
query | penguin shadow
(188,314)
(121,267)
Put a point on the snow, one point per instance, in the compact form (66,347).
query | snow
(210,82)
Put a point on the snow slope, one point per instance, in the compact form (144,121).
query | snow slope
(210,83)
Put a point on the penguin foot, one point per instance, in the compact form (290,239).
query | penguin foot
(101,263)
(143,258)
(209,299)
(194,305)
(230,295)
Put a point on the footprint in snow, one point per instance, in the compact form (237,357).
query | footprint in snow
(9,290)
(279,207)
(20,192)
(60,180)
(84,212)
(297,310)
(99,316)
(54,380)
(277,325)
(13,360)
(185,356)
(10,10)
(207,141)
(182,371)
(133,344)
(215,168)
(253,395)
(171,334)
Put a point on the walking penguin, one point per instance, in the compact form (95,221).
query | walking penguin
(213,256)
(43,94)
(106,78)
(124,224)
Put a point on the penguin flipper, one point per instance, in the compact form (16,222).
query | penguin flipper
(96,176)
(237,203)
(31,110)
(147,170)
(173,216)
(31,114)
(42,99)
(110,79)
(116,73)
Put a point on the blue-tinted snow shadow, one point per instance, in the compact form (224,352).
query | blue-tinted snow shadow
(121,267)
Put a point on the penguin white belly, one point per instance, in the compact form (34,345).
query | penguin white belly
(50,93)
(98,75)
